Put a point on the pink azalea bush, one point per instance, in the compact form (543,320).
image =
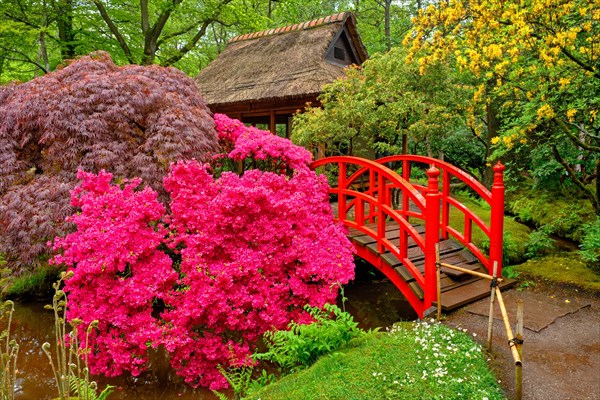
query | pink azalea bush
(234,257)
(259,148)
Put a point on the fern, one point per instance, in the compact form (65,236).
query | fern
(86,390)
(239,379)
(220,395)
(302,345)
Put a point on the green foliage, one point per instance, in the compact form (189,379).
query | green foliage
(515,234)
(35,283)
(419,361)
(511,251)
(462,151)
(242,381)
(85,390)
(9,350)
(302,345)
(540,243)
(536,73)
(510,272)
(239,379)
(373,107)
(590,245)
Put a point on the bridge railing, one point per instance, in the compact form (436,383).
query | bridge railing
(364,191)
(449,174)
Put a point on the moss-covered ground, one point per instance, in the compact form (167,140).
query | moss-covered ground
(560,269)
(412,361)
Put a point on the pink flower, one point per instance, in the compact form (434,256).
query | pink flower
(234,256)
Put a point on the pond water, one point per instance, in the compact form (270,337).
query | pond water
(371,299)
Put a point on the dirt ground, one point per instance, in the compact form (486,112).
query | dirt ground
(561,350)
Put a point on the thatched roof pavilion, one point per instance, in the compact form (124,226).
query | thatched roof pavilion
(265,77)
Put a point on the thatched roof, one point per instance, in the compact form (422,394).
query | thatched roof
(280,63)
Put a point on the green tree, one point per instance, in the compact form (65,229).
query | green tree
(381,106)
(537,68)
(37,35)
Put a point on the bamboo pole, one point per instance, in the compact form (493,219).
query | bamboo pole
(491,320)
(519,346)
(468,271)
(439,281)
(509,332)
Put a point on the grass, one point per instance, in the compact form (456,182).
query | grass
(411,361)
(562,269)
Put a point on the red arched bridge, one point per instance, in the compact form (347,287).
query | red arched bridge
(396,221)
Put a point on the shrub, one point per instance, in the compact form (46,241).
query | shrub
(233,257)
(93,115)
(540,243)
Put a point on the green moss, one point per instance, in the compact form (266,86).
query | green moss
(565,214)
(31,284)
(417,361)
(562,269)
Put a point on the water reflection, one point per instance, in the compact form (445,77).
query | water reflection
(372,300)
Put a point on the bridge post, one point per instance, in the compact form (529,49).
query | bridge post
(432,235)
(497,217)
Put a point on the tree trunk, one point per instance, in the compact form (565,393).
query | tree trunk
(65,29)
(428,145)
(493,125)
(42,54)
(388,35)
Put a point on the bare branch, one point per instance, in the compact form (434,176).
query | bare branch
(25,58)
(162,20)
(114,30)
(574,138)
(178,33)
(190,45)
(582,129)
(201,32)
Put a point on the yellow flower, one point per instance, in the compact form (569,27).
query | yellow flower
(545,112)
(564,82)
(495,140)
(507,140)
(571,114)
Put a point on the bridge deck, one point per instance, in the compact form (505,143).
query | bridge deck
(458,288)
